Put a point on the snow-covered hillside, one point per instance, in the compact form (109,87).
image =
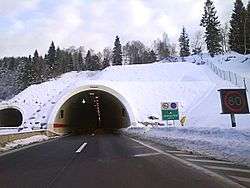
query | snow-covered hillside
(145,87)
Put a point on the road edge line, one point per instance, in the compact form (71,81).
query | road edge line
(187,163)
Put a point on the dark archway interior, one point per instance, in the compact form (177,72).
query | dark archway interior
(93,109)
(10,117)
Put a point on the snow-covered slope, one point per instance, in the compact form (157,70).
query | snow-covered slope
(144,86)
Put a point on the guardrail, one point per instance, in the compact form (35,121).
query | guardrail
(6,128)
(230,76)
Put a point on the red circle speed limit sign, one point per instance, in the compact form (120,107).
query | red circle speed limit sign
(234,101)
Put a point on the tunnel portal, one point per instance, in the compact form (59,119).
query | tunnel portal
(91,110)
(10,117)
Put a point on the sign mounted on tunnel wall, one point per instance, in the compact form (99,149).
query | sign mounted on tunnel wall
(234,101)
(169,111)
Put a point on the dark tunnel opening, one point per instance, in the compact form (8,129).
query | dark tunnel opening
(10,117)
(92,110)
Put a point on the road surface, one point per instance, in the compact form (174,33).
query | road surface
(103,160)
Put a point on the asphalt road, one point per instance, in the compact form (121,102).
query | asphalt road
(104,160)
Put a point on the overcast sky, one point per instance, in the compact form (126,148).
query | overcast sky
(26,25)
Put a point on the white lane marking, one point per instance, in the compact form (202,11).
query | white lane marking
(186,155)
(173,151)
(81,147)
(241,179)
(146,154)
(210,161)
(204,170)
(227,169)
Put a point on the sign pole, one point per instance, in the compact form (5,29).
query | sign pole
(233,120)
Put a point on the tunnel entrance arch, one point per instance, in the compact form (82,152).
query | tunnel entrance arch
(91,107)
(10,116)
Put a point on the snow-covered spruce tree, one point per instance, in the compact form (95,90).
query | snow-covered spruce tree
(68,62)
(26,74)
(211,24)
(88,60)
(59,62)
(36,57)
(80,61)
(184,43)
(247,26)
(50,60)
(32,73)
(92,62)
(117,52)
(8,85)
(38,67)
(237,31)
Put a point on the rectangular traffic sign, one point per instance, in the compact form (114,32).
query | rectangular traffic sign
(170,111)
(170,114)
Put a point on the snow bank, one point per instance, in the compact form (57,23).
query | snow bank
(25,141)
(178,71)
(227,144)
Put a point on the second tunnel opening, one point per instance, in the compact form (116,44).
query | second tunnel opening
(91,110)
(10,117)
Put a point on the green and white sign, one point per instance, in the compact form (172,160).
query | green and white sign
(169,111)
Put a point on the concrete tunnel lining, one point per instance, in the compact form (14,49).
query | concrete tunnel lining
(10,116)
(54,124)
